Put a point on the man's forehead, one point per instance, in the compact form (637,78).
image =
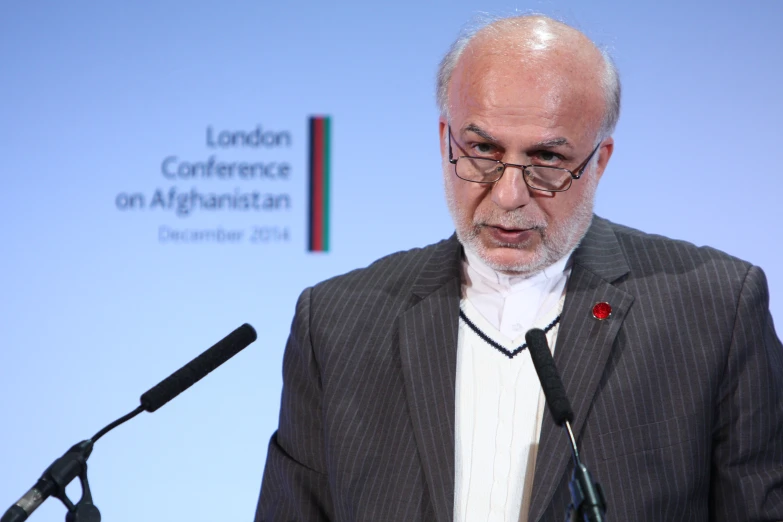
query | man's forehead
(494,83)
(530,85)
(551,63)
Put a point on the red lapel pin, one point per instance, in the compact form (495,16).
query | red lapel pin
(602,311)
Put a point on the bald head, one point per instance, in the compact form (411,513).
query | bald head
(534,49)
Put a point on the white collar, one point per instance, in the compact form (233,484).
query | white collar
(475,267)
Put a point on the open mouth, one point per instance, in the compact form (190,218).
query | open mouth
(509,230)
(510,235)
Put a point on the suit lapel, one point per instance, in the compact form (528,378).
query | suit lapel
(428,349)
(582,350)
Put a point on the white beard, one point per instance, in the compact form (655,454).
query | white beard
(556,241)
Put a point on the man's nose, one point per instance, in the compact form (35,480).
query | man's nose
(510,191)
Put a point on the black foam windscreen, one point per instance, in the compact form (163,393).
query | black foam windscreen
(198,368)
(554,391)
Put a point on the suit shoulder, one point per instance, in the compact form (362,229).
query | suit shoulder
(646,248)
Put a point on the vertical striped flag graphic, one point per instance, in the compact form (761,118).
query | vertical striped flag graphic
(320,135)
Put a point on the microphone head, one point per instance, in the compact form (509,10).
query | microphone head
(199,367)
(554,391)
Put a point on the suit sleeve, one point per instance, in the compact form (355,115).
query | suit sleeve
(295,485)
(747,477)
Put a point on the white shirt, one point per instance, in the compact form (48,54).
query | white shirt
(511,303)
(499,404)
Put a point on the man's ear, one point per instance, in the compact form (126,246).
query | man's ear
(443,129)
(604,153)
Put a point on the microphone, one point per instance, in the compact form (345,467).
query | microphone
(587,498)
(554,391)
(198,368)
(74,462)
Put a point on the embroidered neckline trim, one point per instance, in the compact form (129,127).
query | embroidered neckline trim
(494,344)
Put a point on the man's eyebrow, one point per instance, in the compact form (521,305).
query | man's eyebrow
(554,142)
(472,127)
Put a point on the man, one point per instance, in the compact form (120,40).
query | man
(408,394)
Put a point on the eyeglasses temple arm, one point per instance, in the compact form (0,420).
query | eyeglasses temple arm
(584,164)
(451,155)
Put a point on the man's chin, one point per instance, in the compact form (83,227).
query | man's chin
(510,260)
(515,258)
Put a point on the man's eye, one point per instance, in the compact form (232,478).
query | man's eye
(547,157)
(484,149)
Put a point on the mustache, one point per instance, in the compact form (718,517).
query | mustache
(511,221)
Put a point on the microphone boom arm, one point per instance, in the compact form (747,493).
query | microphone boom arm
(587,497)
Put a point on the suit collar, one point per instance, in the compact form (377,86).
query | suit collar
(442,266)
(600,253)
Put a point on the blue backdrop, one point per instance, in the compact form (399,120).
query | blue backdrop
(98,304)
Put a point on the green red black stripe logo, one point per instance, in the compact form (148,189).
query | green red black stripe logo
(320,133)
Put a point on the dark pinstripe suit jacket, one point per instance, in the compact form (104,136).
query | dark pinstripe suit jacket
(678,396)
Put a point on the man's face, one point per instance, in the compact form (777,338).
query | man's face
(522,109)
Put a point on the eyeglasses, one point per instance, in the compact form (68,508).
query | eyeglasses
(537,177)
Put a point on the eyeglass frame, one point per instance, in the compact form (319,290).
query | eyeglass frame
(580,169)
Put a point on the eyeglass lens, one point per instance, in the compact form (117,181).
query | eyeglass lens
(537,177)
